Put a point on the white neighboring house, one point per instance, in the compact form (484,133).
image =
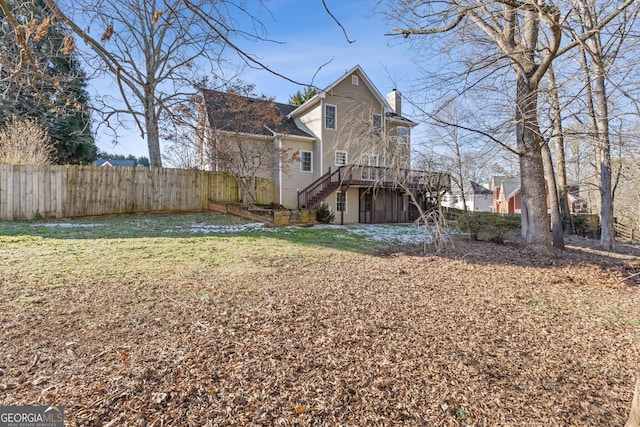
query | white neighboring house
(478,197)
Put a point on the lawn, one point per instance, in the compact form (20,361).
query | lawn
(202,319)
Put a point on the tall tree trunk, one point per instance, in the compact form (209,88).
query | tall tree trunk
(561,172)
(603,146)
(535,222)
(153,132)
(461,178)
(600,120)
(634,415)
(557,233)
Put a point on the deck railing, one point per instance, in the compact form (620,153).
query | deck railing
(374,177)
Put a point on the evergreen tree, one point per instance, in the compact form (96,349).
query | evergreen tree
(300,98)
(59,101)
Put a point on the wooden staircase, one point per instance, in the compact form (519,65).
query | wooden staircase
(318,190)
(371,176)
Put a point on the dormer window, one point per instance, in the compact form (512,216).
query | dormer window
(354,80)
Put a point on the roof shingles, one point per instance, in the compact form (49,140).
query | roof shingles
(241,114)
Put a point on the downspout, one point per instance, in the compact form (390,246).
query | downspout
(279,145)
(322,123)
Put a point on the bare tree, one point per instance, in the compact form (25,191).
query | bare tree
(155,50)
(152,50)
(558,136)
(526,36)
(380,154)
(25,143)
(244,138)
(512,30)
(597,53)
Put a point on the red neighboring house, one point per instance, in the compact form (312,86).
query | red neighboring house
(506,194)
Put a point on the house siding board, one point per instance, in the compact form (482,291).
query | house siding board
(313,122)
(292,178)
(351,215)
(354,103)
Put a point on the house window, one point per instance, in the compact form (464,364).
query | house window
(342,158)
(377,124)
(370,171)
(341,201)
(306,161)
(403,135)
(354,80)
(330,116)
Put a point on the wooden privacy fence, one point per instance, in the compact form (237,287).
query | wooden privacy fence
(624,233)
(27,192)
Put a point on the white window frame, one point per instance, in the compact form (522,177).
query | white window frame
(335,116)
(370,174)
(355,80)
(302,161)
(377,130)
(346,157)
(403,139)
(344,204)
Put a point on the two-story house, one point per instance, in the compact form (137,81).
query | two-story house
(474,197)
(347,146)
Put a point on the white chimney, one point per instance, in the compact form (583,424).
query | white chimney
(395,101)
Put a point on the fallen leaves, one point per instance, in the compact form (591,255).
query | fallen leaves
(345,339)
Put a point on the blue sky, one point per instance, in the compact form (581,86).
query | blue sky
(308,38)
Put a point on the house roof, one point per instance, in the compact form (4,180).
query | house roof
(478,188)
(242,114)
(114,162)
(311,102)
(510,185)
(469,188)
(393,116)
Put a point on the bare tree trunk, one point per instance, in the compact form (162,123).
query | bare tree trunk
(634,414)
(556,219)
(153,131)
(535,223)
(561,172)
(600,120)
(604,149)
(461,178)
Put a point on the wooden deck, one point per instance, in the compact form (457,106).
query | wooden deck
(372,177)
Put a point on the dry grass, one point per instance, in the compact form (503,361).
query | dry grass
(24,143)
(236,331)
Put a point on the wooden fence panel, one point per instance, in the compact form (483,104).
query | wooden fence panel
(73,191)
(266,192)
(624,233)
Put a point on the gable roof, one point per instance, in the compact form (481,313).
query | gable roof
(470,187)
(242,114)
(509,185)
(310,103)
(479,188)
(114,162)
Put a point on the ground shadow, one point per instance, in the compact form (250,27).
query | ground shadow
(625,261)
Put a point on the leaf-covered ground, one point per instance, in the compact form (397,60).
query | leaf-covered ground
(236,331)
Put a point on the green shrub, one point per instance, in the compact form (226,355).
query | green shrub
(324,214)
(488,225)
(471,223)
(580,225)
